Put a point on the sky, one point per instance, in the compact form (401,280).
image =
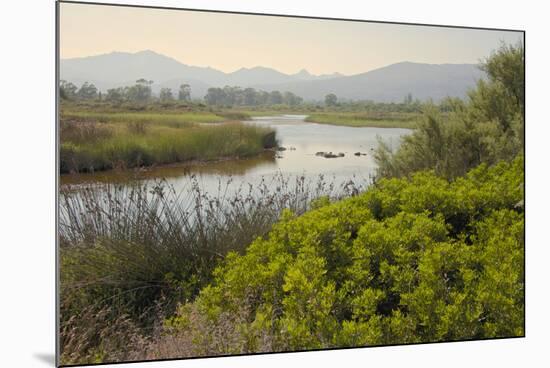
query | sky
(229,42)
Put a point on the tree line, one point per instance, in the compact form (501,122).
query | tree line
(141,91)
(237,96)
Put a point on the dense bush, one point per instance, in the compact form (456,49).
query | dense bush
(410,260)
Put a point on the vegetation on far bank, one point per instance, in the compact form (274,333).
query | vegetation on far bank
(366,119)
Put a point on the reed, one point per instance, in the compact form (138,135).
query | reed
(91,146)
(130,254)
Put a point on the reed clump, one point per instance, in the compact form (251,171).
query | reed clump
(129,254)
(89,145)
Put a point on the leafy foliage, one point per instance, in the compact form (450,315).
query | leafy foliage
(410,260)
(485,129)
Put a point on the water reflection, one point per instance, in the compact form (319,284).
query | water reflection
(233,167)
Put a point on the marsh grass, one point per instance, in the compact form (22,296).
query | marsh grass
(130,254)
(151,117)
(366,119)
(136,127)
(88,146)
(80,132)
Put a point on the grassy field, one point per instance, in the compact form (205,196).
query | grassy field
(159,118)
(99,140)
(366,119)
(164,113)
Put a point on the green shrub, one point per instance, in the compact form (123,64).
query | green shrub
(411,260)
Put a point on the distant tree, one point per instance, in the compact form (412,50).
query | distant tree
(144,81)
(263,98)
(408,99)
(291,99)
(140,92)
(87,91)
(215,96)
(250,96)
(233,95)
(331,99)
(184,93)
(115,95)
(275,98)
(236,96)
(166,94)
(67,90)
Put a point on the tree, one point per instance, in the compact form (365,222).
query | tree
(215,96)
(232,95)
(249,97)
(263,98)
(236,96)
(67,90)
(486,128)
(501,97)
(291,99)
(331,100)
(115,95)
(141,91)
(166,94)
(184,93)
(275,98)
(87,91)
(506,67)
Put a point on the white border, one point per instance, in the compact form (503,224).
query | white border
(28,182)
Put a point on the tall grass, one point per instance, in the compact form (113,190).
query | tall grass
(162,118)
(89,146)
(366,119)
(129,254)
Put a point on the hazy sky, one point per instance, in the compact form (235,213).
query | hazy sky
(229,42)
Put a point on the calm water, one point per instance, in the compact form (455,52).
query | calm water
(301,140)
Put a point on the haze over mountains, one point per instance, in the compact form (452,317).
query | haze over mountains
(388,84)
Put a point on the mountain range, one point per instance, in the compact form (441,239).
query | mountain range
(387,84)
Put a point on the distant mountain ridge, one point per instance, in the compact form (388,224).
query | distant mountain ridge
(388,84)
(392,83)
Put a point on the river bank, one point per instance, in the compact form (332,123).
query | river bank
(364,119)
